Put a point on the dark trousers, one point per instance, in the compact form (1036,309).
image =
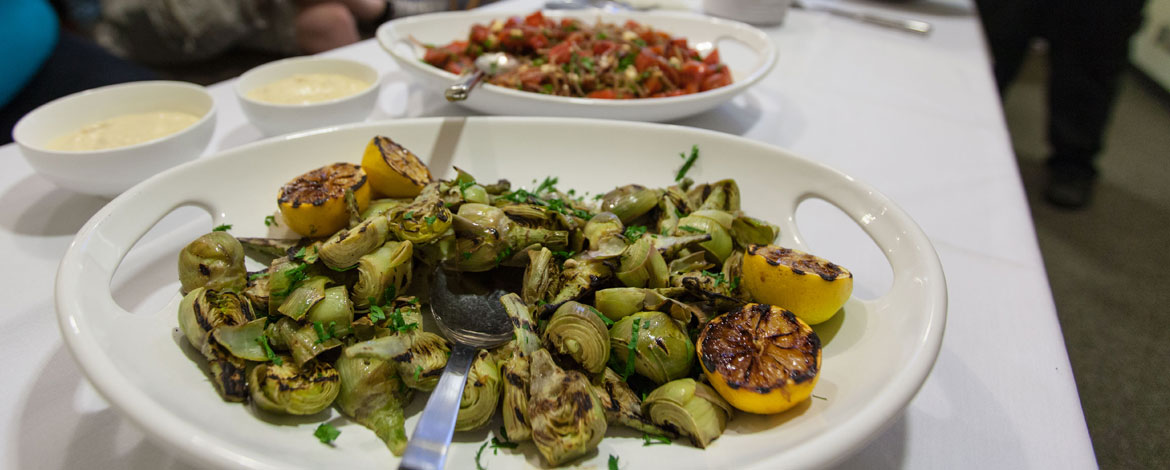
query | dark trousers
(1088,49)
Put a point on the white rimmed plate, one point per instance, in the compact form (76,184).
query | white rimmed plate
(879,355)
(748,52)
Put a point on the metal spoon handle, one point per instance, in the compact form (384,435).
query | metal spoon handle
(427,449)
(460,90)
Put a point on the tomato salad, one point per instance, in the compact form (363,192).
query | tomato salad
(571,58)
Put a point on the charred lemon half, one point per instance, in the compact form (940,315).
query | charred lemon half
(811,287)
(394,171)
(761,359)
(313,204)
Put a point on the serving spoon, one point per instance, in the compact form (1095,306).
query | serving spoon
(486,65)
(471,316)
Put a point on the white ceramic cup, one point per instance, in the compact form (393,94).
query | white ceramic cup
(759,12)
(276,119)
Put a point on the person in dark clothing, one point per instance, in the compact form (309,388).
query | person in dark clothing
(1088,49)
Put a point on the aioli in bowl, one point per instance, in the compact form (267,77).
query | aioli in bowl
(305,88)
(123,131)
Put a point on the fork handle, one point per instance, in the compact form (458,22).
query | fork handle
(427,449)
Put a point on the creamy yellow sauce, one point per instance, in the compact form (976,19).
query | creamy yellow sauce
(308,88)
(123,131)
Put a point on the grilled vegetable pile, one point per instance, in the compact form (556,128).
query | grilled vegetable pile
(632,308)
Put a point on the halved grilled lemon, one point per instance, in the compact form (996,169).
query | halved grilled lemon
(761,359)
(813,288)
(394,171)
(313,204)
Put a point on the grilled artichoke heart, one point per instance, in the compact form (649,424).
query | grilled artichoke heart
(513,360)
(576,332)
(423,220)
(481,393)
(622,405)
(343,249)
(385,270)
(690,408)
(567,418)
(202,310)
(540,277)
(372,394)
(630,201)
(215,261)
(643,266)
(662,350)
(227,372)
(290,389)
(715,223)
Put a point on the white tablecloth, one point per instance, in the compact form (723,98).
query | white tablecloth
(917,117)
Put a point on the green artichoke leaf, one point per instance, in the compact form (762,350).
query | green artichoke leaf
(690,408)
(372,394)
(387,269)
(242,341)
(304,297)
(662,349)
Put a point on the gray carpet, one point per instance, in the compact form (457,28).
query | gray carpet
(1108,267)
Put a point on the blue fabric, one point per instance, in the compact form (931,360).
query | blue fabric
(28,32)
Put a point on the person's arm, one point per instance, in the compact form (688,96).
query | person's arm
(31,24)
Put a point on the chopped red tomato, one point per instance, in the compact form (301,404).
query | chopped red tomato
(712,58)
(535,19)
(606,94)
(560,53)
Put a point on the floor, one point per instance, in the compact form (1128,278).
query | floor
(1107,267)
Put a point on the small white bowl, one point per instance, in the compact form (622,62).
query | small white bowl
(276,119)
(111,171)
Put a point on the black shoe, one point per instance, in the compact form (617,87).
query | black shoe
(1069,190)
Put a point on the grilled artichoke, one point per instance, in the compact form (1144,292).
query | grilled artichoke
(567,418)
(385,270)
(690,408)
(202,310)
(577,333)
(630,201)
(480,394)
(643,266)
(372,394)
(662,350)
(290,389)
(214,261)
(343,249)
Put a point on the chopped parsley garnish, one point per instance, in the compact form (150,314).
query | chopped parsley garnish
(430,219)
(718,277)
(587,64)
(654,439)
(376,312)
(734,283)
(326,433)
(408,216)
(263,340)
(602,36)
(478,454)
(635,232)
(537,62)
(604,319)
(690,161)
(613,462)
(269,221)
(294,276)
(463,188)
(397,323)
(222,228)
(417,372)
(546,88)
(258,275)
(626,61)
(466,255)
(632,349)
(300,254)
(549,184)
(564,254)
(504,254)
(390,293)
(688,228)
(820,397)
(324,334)
(639,42)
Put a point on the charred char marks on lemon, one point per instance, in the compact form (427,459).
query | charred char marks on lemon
(799,263)
(389,147)
(317,187)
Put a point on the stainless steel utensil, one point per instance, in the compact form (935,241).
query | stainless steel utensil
(901,24)
(486,65)
(471,316)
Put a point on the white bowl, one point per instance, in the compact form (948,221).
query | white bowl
(276,119)
(748,52)
(109,172)
(876,355)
